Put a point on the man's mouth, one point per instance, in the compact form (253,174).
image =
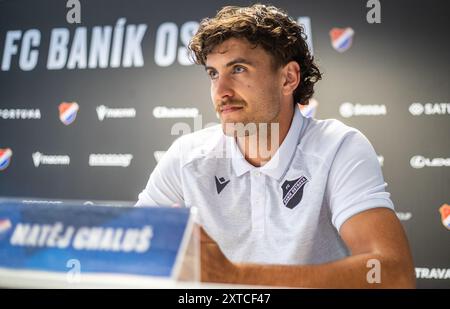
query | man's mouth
(229,109)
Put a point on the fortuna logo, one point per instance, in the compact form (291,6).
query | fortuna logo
(20,114)
(420,162)
(122,160)
(220,184)
(445,215)
(68,112)
(40,158)
(166,112)
(5,224)
(106,112)
(309,110)
(293,191)
(341,38)
(348,110)
(5,158)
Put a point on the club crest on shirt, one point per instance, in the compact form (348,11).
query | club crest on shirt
(293,191)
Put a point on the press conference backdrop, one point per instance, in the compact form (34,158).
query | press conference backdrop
(87,109)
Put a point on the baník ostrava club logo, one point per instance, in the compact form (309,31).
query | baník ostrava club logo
(341,38)
(445,215)
(68,112)
(293,191)
(5,158)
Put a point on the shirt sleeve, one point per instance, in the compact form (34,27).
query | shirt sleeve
(164,186)
(355,181)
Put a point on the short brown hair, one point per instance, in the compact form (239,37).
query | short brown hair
(265,26)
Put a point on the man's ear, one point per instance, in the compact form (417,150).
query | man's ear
(291,77)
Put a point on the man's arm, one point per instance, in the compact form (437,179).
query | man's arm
(164,185)
(372,234)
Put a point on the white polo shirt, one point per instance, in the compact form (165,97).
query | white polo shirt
(288,211)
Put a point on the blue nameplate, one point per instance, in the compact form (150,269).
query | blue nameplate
(143,241)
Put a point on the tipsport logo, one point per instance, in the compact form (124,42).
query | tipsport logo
(5,158)
(68,112)
(342,38)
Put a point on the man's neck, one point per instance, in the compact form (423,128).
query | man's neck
(259,148)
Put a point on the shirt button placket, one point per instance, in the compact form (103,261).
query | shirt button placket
(257,200)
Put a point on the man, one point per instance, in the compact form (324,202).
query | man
(283,199)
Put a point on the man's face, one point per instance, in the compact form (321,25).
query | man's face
(245,87)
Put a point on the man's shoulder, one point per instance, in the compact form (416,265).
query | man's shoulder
(325,136)
(201,143)
(329,128)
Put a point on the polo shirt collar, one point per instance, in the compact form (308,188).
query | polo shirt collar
(278,164)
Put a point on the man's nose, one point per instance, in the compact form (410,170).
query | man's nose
(222,88)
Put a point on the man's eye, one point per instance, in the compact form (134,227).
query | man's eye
(238,69)
(213,74)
